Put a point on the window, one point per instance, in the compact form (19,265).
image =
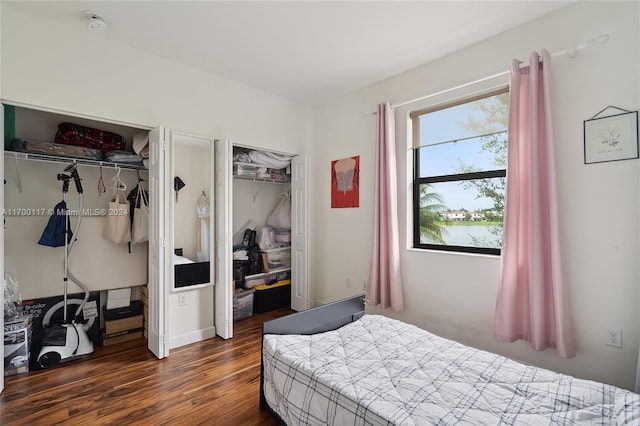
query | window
(460,164)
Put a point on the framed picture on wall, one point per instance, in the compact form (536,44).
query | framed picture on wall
(345,182)
(611,138)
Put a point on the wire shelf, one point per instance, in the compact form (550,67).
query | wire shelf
(58,159)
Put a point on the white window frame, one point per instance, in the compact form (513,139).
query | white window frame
(414,199)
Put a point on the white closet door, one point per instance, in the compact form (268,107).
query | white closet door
(160,258)
(2,248)
(299,234)
(224,243)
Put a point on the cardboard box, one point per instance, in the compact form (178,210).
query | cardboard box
(123,324)
(134,308)
(122,338)
(47,311)
(145,309)
(17,344)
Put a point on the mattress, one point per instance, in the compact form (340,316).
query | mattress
(381,371)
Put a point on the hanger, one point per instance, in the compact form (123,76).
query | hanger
(117,184)
(204,200)
(101,188)
(140,179)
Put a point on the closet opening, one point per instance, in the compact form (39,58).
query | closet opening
(46,152)
(267,246)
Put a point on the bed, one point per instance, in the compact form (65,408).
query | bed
(333,365)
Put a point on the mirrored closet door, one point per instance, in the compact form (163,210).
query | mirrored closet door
(192,209)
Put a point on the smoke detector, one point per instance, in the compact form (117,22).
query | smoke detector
(95,23)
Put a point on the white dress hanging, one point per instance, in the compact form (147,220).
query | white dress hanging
(202,230)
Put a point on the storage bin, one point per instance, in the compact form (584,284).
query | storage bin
(243,304)
(277,258)
(251,281)
(270,297)
(17,344)
(251,170)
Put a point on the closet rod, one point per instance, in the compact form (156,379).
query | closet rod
(58,160)
(80,161)
(571,52)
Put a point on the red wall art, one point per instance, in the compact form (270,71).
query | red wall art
(345,182)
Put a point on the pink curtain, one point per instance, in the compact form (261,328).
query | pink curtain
(532,299)
(385,282)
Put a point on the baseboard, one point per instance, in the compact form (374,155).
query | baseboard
(316,303)
(192,337)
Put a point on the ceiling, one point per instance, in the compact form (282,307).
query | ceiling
(306,51)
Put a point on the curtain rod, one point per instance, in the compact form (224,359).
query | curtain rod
(571,52)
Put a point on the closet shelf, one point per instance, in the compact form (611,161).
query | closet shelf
(55,159)
(256,179)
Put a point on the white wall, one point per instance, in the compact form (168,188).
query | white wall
(254,202)
(454,295)
(50,65)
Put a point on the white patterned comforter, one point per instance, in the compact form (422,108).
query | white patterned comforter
(380,371)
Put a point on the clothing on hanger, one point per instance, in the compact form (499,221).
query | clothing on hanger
(202,229)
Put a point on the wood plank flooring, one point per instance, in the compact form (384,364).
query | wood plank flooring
(211,382)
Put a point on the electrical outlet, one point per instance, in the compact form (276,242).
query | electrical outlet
(182,299)
(614,337)
(364,286)
(347,283)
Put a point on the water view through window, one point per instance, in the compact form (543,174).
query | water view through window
(460,173)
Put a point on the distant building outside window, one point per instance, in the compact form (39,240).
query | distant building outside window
(459,170)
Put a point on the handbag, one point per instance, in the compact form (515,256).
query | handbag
(140,224)
(117,229)
(281,216)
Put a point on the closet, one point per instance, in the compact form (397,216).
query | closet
(247,194)
(205,171)
(32,188)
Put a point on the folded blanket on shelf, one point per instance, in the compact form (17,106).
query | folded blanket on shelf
(54,149)
(119,156)
(74,134)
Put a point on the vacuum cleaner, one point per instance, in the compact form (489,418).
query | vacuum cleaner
(67,341)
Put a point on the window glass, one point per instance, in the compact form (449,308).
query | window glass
(459,175)
(453,157)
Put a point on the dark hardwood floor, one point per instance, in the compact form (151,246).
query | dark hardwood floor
(211,382)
